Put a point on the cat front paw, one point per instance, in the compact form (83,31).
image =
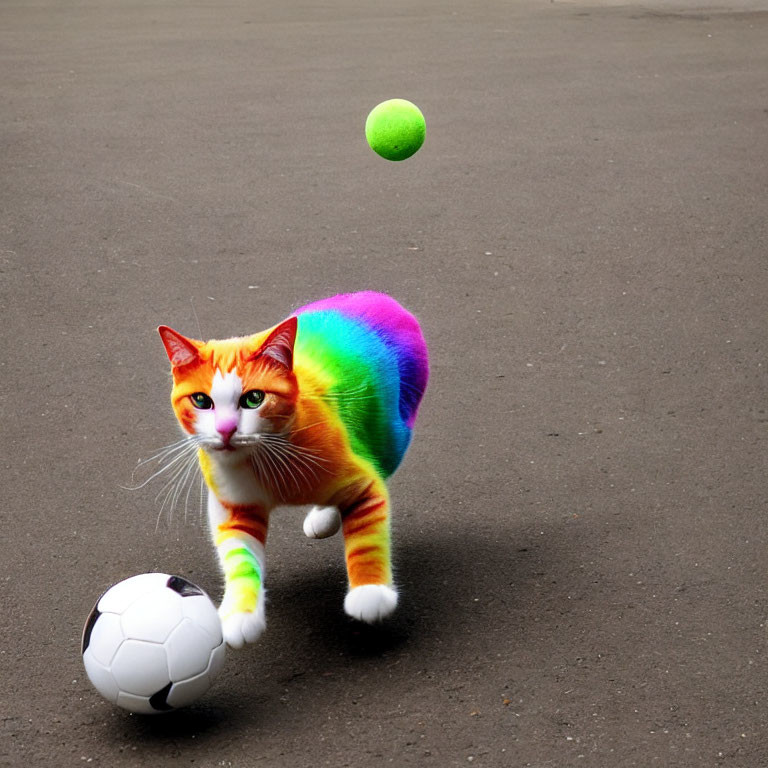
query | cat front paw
(370,602)
(241,628)
(322,522)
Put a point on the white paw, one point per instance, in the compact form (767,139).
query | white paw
(241,628)
(370,602)
(322,522)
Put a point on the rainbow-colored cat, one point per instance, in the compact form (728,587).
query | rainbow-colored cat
(317,410)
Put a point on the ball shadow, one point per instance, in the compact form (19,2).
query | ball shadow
(152,735)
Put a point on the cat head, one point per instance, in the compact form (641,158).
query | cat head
(229,392)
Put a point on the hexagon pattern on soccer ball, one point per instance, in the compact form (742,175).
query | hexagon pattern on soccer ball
(150,643)
(153,620)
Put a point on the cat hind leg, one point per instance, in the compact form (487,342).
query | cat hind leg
(365,514)
(370,602)
(322,522)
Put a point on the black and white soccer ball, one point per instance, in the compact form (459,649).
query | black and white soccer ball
(153,643)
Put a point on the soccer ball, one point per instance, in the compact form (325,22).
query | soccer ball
(153,643)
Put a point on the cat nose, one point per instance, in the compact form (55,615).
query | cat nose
(226,428)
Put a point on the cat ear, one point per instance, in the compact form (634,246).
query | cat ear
(279,343)
(181,350)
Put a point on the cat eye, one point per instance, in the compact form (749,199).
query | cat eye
(201,400)
(252,399)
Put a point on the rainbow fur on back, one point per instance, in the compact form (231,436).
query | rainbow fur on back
(373,357)
(317,410)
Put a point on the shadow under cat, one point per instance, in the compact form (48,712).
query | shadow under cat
(447,584)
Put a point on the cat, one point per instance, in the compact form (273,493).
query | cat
(317,410)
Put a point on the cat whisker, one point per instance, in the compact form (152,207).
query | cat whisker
(201,511)
(275,465)
(170,484)
(304,455)
(189,481)
(284,469)
(170,494)
(167,451)
(183,480)
(287,450)
(170,456)
(284,439)
(260,469)
(165,468)
(266,470)
(180,486)
(170,447)
(280,459)
(297,464)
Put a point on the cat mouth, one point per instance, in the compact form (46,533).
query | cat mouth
(234,444)
(220,447)
(244,441)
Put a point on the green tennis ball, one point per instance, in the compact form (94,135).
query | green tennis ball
(395,129)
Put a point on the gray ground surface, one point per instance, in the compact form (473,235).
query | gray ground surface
(580,524)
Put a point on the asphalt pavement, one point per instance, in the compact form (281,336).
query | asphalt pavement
(580,528)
